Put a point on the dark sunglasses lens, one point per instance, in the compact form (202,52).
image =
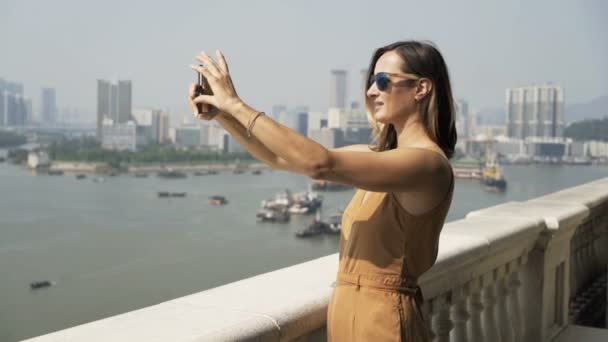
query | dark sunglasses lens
(382,81)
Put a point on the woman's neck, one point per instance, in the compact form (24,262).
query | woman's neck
(411,132)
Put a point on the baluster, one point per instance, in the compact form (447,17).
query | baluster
(514,308)
(475,309)
(428,313)
(441,322)
(504,321)
(459,314)
(490,327)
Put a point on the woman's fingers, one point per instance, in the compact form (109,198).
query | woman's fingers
(206,99)
(222,61)
(209,64)
(192,91)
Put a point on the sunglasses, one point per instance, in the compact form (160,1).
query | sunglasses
(383,80)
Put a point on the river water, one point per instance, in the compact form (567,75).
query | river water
(114,246)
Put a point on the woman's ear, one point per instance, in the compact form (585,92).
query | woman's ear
(425,86)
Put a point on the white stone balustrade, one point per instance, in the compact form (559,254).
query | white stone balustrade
(504,273)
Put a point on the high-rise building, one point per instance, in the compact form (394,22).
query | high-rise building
(2,108)
(363,80)
(302,123)
(11,87)
(535,111)
(163,131)
(16,109)
(462,121)
(124,101)
(113,102)
(347,118)
(278,111)
(337,89)
(103,104)
(49,107)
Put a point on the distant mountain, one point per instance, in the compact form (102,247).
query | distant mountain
(594,109)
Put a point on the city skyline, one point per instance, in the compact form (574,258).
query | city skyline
(282,52)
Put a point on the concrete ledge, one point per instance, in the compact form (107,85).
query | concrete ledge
(261,308)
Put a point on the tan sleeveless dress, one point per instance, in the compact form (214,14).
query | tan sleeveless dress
(383,252)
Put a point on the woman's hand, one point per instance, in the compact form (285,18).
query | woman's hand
(210,115)
(224,96)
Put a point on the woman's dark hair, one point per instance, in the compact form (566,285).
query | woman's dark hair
(437,108)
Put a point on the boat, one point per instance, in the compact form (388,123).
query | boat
(171,174)
(256,172)
(81,176)
(273,215)
(55,173)
(165,194)
(217,200)
(2,159)
(38,160)
(213,172)
(238,171)
(141,175)
(306,203)
(316,227)
(35,285)
(492,177)
(332,226)
(98,179)
(200,173)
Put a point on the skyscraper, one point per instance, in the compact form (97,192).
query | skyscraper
(302,123)
(113,102)
(337,89)
(535,111)
(49,109)
(2,108)
(103,104)
(363,80)
(463,122)
(124,101)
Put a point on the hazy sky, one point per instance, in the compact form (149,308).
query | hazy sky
(282,51)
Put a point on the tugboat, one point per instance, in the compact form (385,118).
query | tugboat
(35,285)
(218,200)
(492,177)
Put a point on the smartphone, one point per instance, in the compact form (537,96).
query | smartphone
(202,88)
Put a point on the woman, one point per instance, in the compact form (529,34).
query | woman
(390,229)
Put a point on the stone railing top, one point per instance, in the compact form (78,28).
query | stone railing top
(278,305)
(590,194)
(554,215)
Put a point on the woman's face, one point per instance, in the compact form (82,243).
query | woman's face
(397,100)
